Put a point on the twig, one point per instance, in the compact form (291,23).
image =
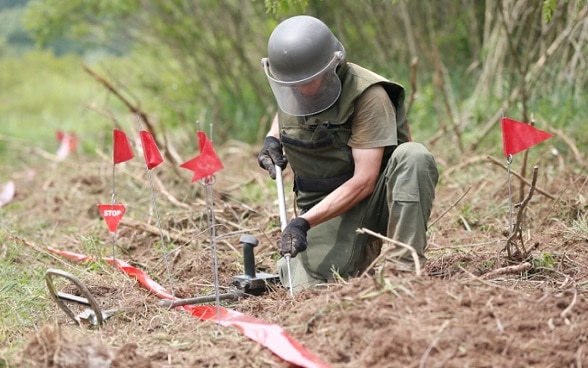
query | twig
(382,254)
(432,344)
(483,132)
(462,164)
(525,266)
(547,217)
(413,252)
(154,230)
(566,311)
(567,140)
(579,357)
(450,207)
(539,190)
(45,154)
(413,83)
(135,110)
(486,282)
(517,230)
(168,195)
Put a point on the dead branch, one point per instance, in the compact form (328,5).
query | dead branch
(413,84)
(461,165)
(525,266)
(173,200)
(488,283)
(137,111)
(488,127)
(567,140)
(423,361)
(450,207)
(412,251)
(494,160)
(566,311)
(517,231)
(441,84)
(154,230)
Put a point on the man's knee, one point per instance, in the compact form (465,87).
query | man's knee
(412,157)
(414,154)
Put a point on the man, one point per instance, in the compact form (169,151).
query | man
(344,132)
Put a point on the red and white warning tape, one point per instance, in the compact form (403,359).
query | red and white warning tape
(270,335)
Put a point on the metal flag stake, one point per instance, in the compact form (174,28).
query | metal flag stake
(208,182)
(153,159)
(204,166)
(283,220)
(121,152)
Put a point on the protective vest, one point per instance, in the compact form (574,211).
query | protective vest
(316,146)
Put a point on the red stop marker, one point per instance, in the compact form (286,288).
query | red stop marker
(112,214)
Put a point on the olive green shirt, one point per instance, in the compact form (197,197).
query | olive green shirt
(374,120)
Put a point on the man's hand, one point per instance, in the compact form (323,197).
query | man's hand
(293,240)
(271,154)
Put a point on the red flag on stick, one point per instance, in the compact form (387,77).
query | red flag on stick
(518,136)
(122,148)
(150,151)
(68,144)
(205,164)
(71,139)
(112,214)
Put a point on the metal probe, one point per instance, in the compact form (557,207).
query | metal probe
(283,219)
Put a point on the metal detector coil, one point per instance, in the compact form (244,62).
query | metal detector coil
(95,316)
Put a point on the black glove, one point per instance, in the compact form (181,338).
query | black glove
(270,155)
(293,240)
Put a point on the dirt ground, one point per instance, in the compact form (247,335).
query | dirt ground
(466,310)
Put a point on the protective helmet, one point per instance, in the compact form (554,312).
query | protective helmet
(301,67)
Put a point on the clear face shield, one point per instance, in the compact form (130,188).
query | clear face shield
(310,95)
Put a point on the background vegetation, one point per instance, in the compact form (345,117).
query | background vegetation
(188,61)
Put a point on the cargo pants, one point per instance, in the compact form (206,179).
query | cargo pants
(399,208)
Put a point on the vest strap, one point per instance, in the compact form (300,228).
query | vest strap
(320,185)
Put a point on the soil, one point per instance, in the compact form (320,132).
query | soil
(467,309)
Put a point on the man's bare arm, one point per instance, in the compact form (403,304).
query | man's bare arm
(353,191)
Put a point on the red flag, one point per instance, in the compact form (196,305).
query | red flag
(121,147)
(70,138)
(518,136)
(112,214)
(150,150)
(69,143)
(207,163)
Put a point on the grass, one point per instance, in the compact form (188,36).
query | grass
(24,298)
(42,94)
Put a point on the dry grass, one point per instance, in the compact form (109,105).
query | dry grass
(451,316)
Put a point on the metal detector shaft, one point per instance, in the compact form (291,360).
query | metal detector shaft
(200,299)
(283,219)
(281,198)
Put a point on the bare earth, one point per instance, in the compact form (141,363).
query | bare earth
(457,314)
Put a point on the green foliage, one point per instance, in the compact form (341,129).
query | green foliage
(24,297)
(198,60)
(277,7)
(543,260)
(78,19)
(549,7)
(41,94)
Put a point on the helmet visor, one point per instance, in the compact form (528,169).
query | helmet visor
(310,95)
